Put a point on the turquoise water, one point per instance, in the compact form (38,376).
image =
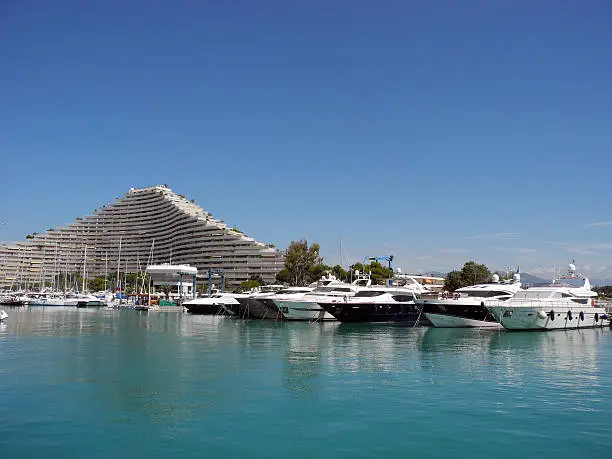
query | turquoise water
(103,383)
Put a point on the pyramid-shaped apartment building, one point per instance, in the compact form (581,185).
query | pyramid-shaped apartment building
(147,226)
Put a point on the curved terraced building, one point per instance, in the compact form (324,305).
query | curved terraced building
(147,226)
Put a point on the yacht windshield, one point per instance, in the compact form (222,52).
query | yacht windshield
(368,293)
(536,294)
(483,293)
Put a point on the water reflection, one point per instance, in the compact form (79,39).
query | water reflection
(302,360)
(169,366)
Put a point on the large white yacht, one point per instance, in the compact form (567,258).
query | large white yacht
(466,307)
(251,306)
(388,303)
(215,303)
(560,305)
(295,305)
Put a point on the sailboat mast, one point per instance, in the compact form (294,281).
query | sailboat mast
(119,264)
(105,269)
(84,264)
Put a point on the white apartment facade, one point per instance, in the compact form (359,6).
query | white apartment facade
(147,226)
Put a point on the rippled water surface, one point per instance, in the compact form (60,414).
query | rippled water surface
(103,383)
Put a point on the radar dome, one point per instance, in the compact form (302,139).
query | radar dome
(572,267)
(516,277)
(398,270)
(495,277)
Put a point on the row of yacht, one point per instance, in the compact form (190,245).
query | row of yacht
(567,302)
(52,298)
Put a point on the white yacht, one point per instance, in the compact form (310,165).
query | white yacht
(466,307)
(560,305)
(380,303)
(302,304)
(250,306)
(216,303)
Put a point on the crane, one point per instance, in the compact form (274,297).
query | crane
(215,272)
(371,259)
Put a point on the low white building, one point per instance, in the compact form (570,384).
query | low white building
(181,277)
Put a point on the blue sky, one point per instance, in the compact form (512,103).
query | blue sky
(439,131)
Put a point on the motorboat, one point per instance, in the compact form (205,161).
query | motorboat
(466,307)
(304,305)
(567,303)
(216,303)
(15,299)
(386,303)
(250,307)
(3,316)
(277,304)
(86,300)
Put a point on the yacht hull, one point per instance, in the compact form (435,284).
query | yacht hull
(454,314)
(549,317)
(257,309)
(208,309)
(449,321)
(302,310)
(408,314)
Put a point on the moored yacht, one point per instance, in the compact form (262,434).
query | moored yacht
(216,303)
(250,306)
(564,304)
(466,307)
(15,299)
(305,305)
(380,304)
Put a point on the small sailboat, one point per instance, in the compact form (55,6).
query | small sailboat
(3,316)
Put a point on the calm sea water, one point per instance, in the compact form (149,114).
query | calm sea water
(102,383)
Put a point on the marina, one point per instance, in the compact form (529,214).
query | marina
(403,299)
(297,230)
(180,382)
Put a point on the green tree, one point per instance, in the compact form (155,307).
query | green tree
(475,273)
(379,273)
(340,273)
(300,261)
(283,276)
(452,281)
(471,273)
(317,271)
(604,291)
(356,267)
(96,284)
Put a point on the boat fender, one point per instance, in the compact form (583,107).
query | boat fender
(569,315)
(552,314)
(604,317)
(542,314)
(596,317)
(582,315)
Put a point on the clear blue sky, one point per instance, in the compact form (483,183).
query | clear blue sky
(438,131)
